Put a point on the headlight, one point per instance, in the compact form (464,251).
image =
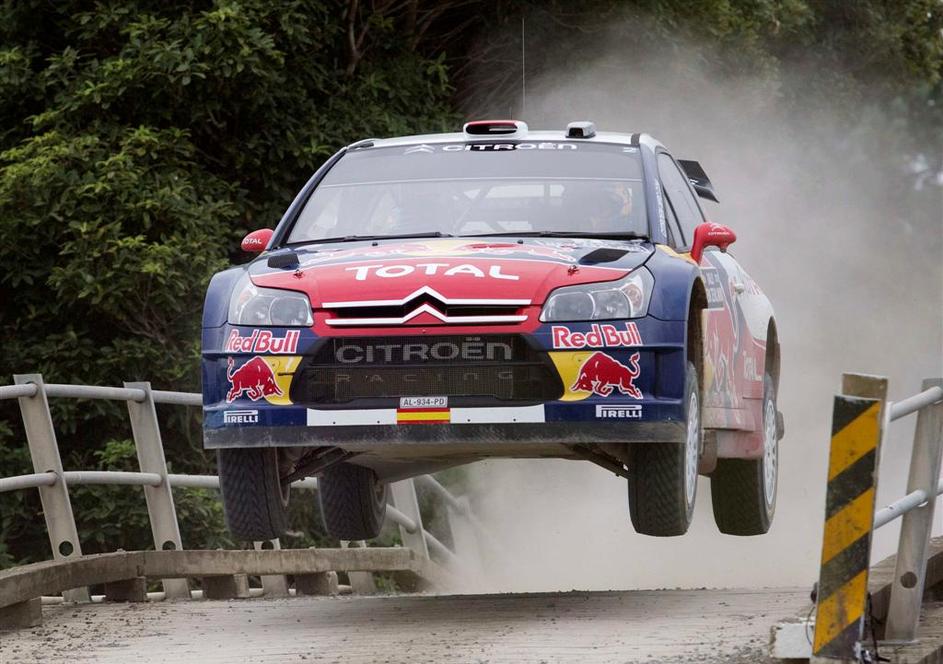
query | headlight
(625,298)
(251,305)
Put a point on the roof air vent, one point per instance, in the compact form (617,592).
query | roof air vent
(580,130)
(494,128)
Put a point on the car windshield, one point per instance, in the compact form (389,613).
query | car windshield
(461,189)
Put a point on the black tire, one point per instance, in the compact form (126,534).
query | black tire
(738,486)
(659,503)
(353,502)
(255,501)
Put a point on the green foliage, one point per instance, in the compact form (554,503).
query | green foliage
(159,134)
(139,140)
(22,531)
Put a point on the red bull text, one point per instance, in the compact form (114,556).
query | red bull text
(263,341)
(599,336)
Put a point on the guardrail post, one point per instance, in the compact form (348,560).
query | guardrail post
(273,585)
(464,538)
(160,499)
(842,594)
(403,497)
(910,573)
(44,451)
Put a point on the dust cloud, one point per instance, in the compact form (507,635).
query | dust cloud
(852,263)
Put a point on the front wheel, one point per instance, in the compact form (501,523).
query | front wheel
(663,476)
(255,500)
(743,491)
(353,502)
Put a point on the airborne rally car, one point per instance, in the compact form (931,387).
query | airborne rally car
(430,301)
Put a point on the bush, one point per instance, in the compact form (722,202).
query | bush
(139,141)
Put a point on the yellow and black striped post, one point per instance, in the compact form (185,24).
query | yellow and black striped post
(842,597)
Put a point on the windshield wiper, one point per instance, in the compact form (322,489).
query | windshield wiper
(573,234)
(353,238)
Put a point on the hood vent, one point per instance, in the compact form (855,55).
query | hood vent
(602,255)
(289,259)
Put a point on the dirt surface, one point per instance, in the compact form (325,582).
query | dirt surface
(670,626)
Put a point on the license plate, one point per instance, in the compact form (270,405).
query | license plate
(423,402)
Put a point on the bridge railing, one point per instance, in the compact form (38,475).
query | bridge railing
(860,419)
(53,483)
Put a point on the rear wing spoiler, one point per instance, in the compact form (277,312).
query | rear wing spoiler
(699,180)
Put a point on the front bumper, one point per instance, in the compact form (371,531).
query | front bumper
(627,391)
(371,436)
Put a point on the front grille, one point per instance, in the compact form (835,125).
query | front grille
(400,310)
(494,312)
(471,369)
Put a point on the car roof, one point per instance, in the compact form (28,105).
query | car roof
(530,135)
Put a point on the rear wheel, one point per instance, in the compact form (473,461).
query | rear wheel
(353,502)
(255,501)
(663,476)
(743,491)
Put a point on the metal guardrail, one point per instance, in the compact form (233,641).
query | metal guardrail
(53,481)
(917,497)
(861,418)
(29,389)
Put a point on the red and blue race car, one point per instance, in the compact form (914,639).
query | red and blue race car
(429,301)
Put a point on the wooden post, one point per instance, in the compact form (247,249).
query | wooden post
(842,597)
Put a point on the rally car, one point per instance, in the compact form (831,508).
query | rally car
(429,301)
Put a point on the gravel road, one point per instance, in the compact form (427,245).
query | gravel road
(673,626)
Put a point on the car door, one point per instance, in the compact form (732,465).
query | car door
(723,324)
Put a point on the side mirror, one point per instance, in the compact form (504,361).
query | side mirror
(256,241)
(710,234)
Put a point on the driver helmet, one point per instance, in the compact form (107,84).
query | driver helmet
(603,207)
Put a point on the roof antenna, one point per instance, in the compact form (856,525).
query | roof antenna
(523,72)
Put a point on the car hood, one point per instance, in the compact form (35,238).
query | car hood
(479,270)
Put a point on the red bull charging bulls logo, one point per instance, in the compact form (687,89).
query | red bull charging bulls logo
(255,378)
(601,374)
